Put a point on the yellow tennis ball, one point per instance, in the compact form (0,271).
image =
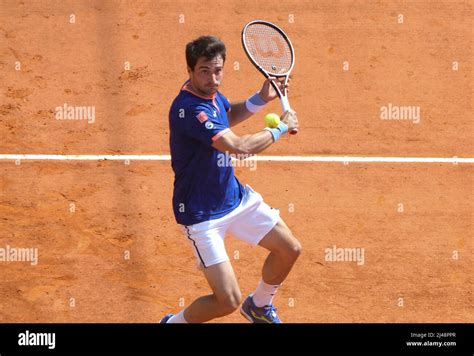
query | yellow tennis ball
(272,120)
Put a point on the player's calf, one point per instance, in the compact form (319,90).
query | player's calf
(212,306)
(284,251)
(229,302)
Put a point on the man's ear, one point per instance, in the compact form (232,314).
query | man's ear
(189,70)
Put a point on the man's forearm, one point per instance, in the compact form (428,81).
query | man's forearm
(238,113)
(255,143)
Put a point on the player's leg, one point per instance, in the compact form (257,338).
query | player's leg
(225,299)
(284,251)
(207,240)
(261,225)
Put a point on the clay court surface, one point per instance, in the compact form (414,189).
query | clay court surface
(123,209)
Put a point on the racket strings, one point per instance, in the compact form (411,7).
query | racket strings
(269,48)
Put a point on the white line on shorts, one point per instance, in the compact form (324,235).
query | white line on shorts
(343,159)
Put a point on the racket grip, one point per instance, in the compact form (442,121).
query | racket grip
(285,104)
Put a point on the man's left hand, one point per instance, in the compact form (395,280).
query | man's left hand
(268,93)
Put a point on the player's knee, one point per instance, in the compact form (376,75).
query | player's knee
(293,250)
(229,302)
(297,248)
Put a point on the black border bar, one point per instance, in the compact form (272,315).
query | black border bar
(224,338)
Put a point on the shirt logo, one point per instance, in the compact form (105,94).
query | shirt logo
(202,117)
(209,125)
(214,113)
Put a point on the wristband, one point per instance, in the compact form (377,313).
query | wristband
(278,131)
(255,103)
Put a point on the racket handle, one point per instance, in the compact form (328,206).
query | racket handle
(285,104)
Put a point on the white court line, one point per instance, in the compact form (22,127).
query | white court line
(343,159)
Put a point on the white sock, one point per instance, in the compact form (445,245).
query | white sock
(177,319)
(264,294)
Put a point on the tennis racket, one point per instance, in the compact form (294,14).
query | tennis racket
(271,51)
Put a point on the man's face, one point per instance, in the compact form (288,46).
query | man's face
(207,75)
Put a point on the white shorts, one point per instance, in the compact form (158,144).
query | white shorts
(249,222)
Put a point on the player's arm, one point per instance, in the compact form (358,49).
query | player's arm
(244,145)
(242,110)
(257,142)
(239,110)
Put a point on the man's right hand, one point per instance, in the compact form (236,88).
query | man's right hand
(290,119)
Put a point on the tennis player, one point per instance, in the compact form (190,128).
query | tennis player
(208,200)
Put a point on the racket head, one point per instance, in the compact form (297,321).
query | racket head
(268,48)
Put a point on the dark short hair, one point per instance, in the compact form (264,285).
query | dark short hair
(204,46)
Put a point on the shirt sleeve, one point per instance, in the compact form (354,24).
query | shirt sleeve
(203,126)
(225,102)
